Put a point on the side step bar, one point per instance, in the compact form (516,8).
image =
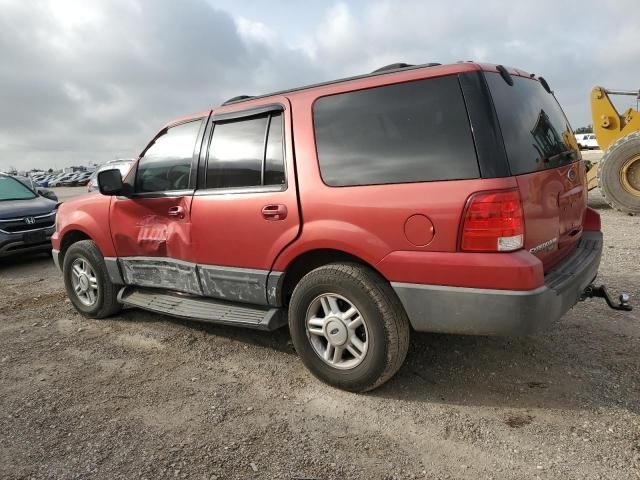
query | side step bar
(204,309)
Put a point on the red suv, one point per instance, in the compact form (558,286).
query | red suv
(438,198)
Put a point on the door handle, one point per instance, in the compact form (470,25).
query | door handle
(176,212)
(274,212)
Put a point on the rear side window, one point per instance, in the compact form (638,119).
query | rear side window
(247,153)
(410,132)
(536,133)
(166,164)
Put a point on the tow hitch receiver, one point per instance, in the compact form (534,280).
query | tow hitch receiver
(601,291)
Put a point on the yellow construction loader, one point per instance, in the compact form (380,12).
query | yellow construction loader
(618,173)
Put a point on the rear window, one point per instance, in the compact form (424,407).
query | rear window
(536,133)
(410,132)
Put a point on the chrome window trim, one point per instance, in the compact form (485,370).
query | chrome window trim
(235,190)
(162,194)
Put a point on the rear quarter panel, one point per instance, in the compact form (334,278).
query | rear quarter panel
(369,221)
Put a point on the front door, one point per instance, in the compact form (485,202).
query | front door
(151,229)
(246,210)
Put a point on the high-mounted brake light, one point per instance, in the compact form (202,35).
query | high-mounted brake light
(493,222)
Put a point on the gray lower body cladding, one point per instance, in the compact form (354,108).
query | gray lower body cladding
(430,308)
(475,311)
(251,286)
(161,273)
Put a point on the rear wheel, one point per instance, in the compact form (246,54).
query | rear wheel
(348,326)
(87,283)
(619,174)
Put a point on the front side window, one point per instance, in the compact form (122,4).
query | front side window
(166,164)
(410,132)
(12,189)
(247,153)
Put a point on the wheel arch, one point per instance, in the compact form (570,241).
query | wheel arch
(309,260)
(69,238)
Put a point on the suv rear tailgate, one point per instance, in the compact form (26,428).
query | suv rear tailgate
(554,203)
(544,158)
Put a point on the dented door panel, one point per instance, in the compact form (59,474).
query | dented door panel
(144,227)
(146,231)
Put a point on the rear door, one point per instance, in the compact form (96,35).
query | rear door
(246,208)
(151,229)
(543,156)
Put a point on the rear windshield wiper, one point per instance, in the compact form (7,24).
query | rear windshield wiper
(567,154)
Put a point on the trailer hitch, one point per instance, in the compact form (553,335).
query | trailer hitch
(601,291)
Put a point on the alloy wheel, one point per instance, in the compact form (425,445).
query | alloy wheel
(337,331)
(84,281)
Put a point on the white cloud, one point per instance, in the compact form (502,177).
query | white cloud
(254,32)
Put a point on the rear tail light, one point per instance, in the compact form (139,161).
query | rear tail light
(493,222)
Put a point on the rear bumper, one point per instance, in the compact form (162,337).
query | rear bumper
(476,311)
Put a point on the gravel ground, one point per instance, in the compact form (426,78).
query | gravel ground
(145,396)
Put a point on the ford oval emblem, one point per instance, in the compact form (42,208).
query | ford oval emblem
(571,175)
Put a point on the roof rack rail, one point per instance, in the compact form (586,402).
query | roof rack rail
(236,99)
(392,66)
(398,66)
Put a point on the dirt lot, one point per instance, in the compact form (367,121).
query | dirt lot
(146,396)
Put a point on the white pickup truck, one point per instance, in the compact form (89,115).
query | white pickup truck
(587,141)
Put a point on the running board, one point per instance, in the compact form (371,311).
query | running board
(204,309)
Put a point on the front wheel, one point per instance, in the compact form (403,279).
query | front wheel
(87,283)
(348,326)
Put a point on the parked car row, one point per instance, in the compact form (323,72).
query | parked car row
(73,179)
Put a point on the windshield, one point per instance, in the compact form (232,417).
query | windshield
(12,189)
(536,133)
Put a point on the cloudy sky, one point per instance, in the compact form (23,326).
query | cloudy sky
(90,80)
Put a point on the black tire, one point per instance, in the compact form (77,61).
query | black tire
(106,303)
(387,324)
(609,174)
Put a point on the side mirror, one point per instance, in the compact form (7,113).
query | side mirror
(110,182)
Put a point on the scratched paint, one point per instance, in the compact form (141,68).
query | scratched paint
(157,273)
